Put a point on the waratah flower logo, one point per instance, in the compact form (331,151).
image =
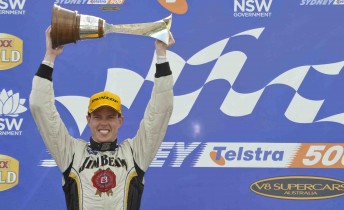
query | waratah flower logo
(11,104)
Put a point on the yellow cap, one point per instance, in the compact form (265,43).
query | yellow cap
(105,98)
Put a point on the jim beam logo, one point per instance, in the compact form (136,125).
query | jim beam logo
(104,181)
(9,172)
(11,51)
(299,187)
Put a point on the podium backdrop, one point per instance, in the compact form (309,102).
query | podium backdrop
(258,120)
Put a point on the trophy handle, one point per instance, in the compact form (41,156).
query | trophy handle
(158,30)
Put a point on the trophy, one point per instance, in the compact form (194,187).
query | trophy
(68,26)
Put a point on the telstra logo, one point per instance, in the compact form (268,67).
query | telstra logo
(175,6)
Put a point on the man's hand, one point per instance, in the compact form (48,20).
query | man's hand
(51,53)
(161,47)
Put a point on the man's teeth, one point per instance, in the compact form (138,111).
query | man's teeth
(104,131)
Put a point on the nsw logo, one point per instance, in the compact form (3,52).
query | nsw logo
(12,7)
(252,8)
(11,105)
(11,51)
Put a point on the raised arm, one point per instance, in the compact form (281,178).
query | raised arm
(154,124)
(42,106)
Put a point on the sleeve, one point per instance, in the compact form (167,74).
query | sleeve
(154,124)
(42,106)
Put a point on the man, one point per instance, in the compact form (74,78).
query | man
(102,174)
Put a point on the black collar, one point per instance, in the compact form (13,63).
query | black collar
(105,146)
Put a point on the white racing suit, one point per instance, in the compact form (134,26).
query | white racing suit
(102,175)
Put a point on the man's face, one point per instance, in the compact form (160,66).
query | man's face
(104,123)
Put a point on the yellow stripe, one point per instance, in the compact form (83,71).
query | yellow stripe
(76,179)
(131,176)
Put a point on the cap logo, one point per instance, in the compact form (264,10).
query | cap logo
(104,98)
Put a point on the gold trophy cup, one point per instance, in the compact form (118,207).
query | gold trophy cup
(68,26)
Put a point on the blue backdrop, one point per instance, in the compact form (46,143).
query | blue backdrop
(258,95)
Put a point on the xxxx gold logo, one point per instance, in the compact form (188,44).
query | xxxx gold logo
(299,187)
(9,170)
(175,6)
(11,51)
